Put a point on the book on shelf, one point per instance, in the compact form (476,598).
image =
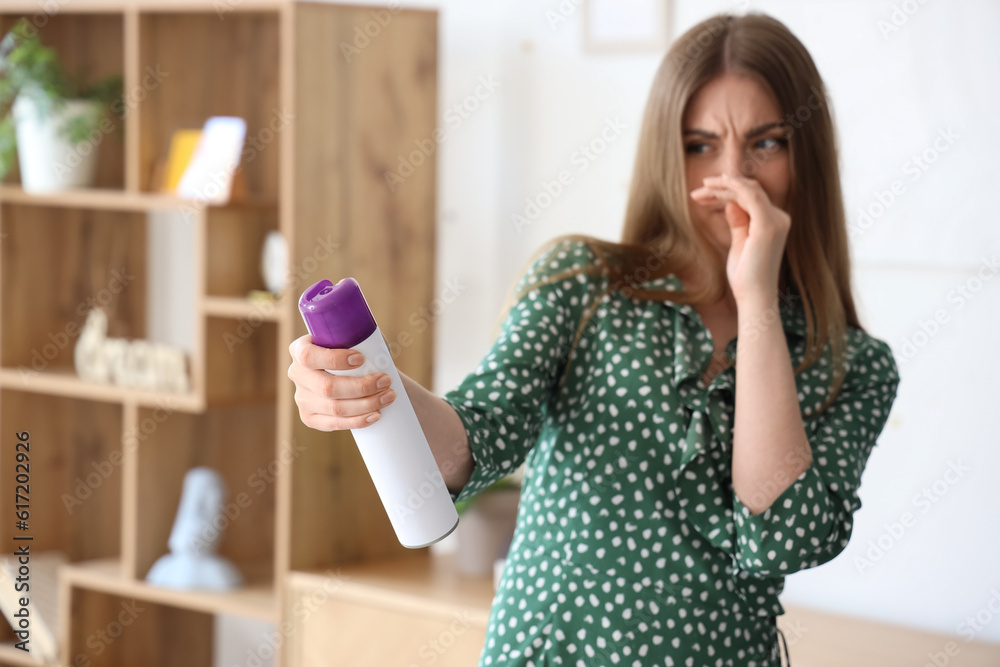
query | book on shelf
(42,597)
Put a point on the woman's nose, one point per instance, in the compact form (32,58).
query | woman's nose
(736,163)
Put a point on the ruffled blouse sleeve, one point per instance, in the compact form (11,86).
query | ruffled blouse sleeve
(504,401)
(810,523)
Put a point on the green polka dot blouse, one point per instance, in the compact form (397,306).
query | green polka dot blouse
(631,547)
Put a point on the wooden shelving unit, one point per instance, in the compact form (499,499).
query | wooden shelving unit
(108,462)
(255,600)
(436,615)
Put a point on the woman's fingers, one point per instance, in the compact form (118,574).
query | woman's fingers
(341,412)
(331,414)
(329,402)
(746,192)
(707,195)
(328,423)
(313,356)
(342,407)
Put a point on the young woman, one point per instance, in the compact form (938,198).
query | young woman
(696,404)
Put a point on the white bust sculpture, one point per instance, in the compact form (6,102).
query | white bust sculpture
(193,562)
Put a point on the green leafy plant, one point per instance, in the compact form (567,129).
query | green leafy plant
(30,68)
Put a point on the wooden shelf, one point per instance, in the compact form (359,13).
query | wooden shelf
(237,308)
(118,6)
(117,200)
(428,585)
(65,382)
(256,599)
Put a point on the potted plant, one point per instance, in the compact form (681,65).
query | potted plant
(48,118)
(487,525)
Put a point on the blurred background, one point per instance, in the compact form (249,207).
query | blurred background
(528,90)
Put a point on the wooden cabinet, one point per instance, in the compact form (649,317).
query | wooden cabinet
(336,98)
(401,612)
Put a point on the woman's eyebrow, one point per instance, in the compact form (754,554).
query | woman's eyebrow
(760,129)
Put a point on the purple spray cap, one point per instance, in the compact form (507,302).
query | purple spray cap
(337,316)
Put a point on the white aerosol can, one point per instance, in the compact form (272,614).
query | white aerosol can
(394,448)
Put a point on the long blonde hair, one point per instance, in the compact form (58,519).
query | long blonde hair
(816,263)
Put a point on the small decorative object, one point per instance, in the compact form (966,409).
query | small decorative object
(193,562)
(52,122)
(626,26)
(182,146)
(139,363)
(209,175)
(274,262)
(261,297)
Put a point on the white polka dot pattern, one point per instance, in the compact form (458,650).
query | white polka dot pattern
(631,547)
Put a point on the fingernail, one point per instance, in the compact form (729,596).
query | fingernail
(356,359)
(388,396)
(384,381)
(373,417)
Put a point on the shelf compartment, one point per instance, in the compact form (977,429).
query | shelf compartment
(233,242)
(76,479)
(256,599)
(91,43)
(239,443)
(216,68)
(57,263)
(119,628)
(239,361)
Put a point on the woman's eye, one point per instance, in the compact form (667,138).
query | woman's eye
(775,143)
(769,144)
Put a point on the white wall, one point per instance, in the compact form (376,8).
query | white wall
(892,95)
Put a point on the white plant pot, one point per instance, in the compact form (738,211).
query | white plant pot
(485,530)
(48,161)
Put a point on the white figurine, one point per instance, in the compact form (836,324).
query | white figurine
(193,562)
(136,363)
(91,363)
(274,262)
